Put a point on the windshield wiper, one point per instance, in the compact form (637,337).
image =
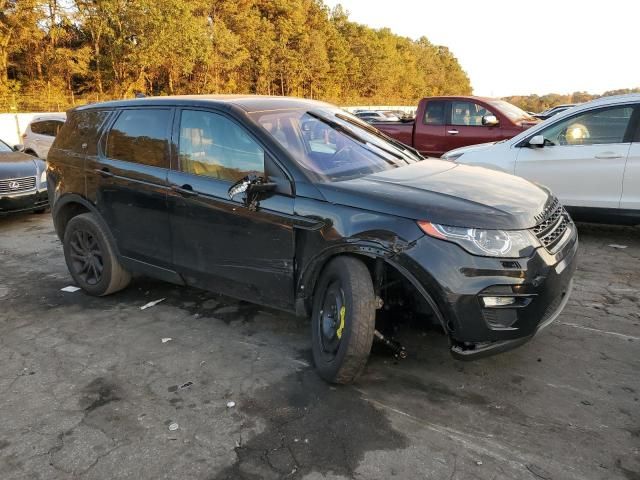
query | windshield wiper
(354,136)
(344,129)
(377,133)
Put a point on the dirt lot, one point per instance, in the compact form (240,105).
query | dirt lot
(88,389)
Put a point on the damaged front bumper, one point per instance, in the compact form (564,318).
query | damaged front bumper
(538,288)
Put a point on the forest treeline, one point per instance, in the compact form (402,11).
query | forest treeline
(539,103)
(63,52)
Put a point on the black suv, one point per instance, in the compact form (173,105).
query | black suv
(298,205)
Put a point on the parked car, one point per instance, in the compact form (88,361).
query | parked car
(445,123)
(375,115)
(41,132)
(550,112)
(23,181)
(588,156)
(298,205)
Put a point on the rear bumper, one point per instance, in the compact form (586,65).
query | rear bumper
(24,202)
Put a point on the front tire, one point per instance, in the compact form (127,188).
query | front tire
(91,258)
(343,320)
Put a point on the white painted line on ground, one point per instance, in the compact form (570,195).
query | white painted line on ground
(604,332)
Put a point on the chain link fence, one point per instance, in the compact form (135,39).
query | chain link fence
(44,102)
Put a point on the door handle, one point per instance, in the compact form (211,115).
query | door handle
(185,190)
(608,155)
(452,132)
(104,172)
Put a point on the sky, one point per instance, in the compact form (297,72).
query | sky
(522,47)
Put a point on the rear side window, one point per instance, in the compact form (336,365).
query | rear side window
(46,127)
(141,136)
(81,128)
(434,113)
(214,146)
(37,127)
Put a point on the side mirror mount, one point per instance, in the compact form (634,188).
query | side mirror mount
(490,121)
(537,141)
(18,148)
(252,186)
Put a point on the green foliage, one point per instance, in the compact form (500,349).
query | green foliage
(85,50)
(539,103)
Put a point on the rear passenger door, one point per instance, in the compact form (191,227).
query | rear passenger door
(128,182)
(219,243)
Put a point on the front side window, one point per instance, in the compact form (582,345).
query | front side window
(468,113)
(592,128)
(434,113)
(214,146)
(333,145)
(141,136)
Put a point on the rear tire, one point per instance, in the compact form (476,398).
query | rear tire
(343,320)
(91,258)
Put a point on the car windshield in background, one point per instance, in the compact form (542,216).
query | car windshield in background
(4,148)
(514,113)
(333,145)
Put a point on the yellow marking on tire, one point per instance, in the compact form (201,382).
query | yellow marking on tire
(343,312)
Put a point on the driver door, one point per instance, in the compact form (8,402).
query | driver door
(583,159)
(219,243)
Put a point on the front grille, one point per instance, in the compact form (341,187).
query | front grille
(17,185)
(554,223)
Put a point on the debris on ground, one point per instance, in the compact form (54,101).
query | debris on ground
(231,404)
(615,245)
(70,289)
(166,339)
(151,304)
(396,348)
(173,426)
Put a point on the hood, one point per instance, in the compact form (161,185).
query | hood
(471,148)
(18,164)
(446,193)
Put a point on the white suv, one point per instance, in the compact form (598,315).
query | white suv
(589,156)
(41,132)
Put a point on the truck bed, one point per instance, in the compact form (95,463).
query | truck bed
(402,131)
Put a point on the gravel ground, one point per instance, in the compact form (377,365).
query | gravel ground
(89,389)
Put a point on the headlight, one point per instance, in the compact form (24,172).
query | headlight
(43,177)
(487,243)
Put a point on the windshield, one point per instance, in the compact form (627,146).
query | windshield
(4,148)
(333,145)
(514,113)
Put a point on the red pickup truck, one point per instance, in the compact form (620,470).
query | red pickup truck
(445,123)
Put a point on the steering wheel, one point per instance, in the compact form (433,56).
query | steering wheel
(340,151)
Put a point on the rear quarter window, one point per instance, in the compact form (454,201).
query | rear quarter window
(81,128)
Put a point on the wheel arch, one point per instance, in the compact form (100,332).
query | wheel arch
(69,206)
(369,254)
